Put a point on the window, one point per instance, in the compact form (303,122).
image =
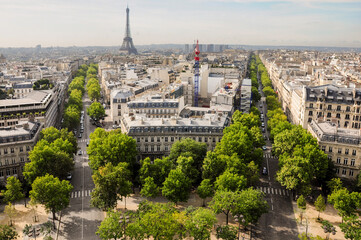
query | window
(337,171)
(166,139)
(146,148)
(338,115)
(311,105)
(166,147)
(323,148)
(346,124)
(158,148)
(172,139)
(15,171)
(343,171)
(152,139)
(152,148)
(351,173)
(309,119)
(21,149)
(205,139)
(347,116)
(352,162)
(27,148)
(1,173)
(321,106)
(199,139)
(310,113)
(338,108)
(13,161)
(345,161)
(346,151)
(340,150)
(328,115)
(138,139)
(214,140)
(8,172)
(6,162)
(330,149)
(329,107)
(158,139)
(338,160)
(353,152)
(12,150)
(146,139)
(5,151)
(347,109)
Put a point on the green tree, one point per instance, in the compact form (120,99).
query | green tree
(256,96)
(75,99)
(255,111)
(334,184)
(176,187)
(110,228)
(158,170)
(53,158)
(92,81)
(268,91)
(186,164)
(250,204)
(149,189)
(111,146)
(230,182)
(272,102)
(8,233)
(11,212)
(96,111)
(246,119)
(77,83)
(345,202)
(71,117)
(187,147)
(223,202)
(200,223)
(13,190)
(301,204)
(111,184)
(51,192)
(226,232)
(205,189)
(320,204)
(351,227)
(51,134)
(92,70)
(213,165)
(94,92)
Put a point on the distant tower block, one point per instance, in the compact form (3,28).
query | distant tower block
(128,46)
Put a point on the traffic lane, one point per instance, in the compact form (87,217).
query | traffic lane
(278,223)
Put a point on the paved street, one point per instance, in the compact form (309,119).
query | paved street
(279,222)
(80,221)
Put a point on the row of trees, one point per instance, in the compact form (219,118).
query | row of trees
(95,110)
(75,103)
(300,159)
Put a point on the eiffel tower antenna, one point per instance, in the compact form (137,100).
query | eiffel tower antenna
(128,46)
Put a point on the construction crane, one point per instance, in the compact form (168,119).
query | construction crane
(196,75)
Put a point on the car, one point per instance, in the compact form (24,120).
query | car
(262,116)
(69,176)
(261,112)
(81,130)
(80,135)
(264,171)
(261,106)
(262,124)
(80,152)
(264,147)
(75,132)
(262,119)
(263,130)
(87,143)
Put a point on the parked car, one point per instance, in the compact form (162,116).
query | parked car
(80,135)
(264,171)
(262,124)
(81,130)
(87,143)
(261,106)
(80,152)
(69,176)
(263,130)
(264,148)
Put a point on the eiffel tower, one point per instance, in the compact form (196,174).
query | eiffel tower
(128,46)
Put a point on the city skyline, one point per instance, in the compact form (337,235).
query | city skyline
(102,23)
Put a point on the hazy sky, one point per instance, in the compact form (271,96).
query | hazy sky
(253,22)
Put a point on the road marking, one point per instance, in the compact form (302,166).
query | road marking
(283,192)
(272,190)
(288,194)
(268,190)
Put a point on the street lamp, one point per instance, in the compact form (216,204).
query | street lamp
(240,219)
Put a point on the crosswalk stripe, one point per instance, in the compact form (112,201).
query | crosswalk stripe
(283,192)
(268,190)
(288,194)
(272,190)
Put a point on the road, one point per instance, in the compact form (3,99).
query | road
(80,220)
(279,222)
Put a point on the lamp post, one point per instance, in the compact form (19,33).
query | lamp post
(240,219)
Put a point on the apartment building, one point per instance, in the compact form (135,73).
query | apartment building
(155,136)
(16,142)
(342,145)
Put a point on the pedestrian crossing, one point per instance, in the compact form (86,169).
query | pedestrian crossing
(79,194)
(268,155)
(274,191)
(83,140)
